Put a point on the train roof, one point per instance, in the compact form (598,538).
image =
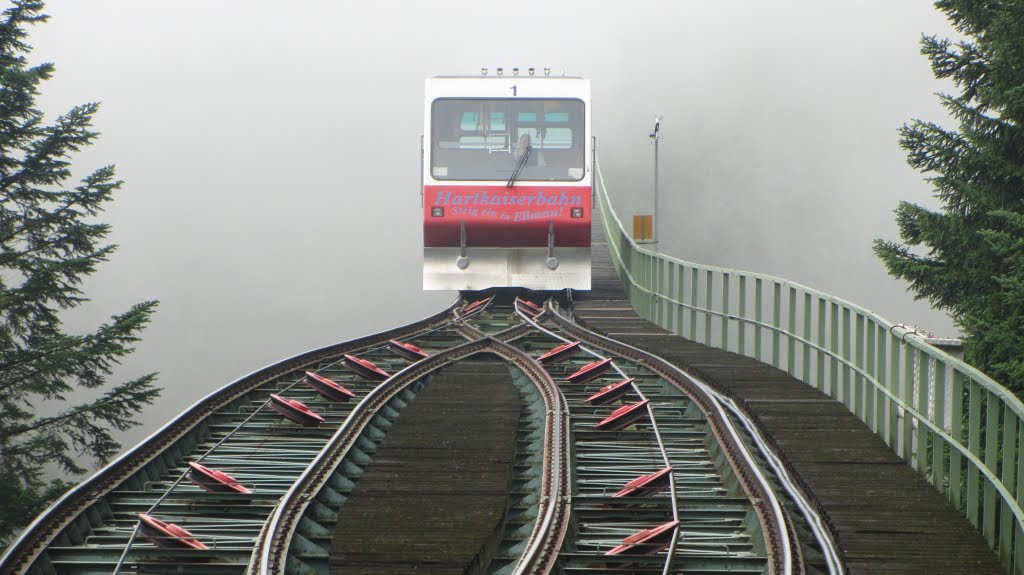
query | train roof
(492,86)
(504,77)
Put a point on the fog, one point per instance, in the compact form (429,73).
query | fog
(271,151)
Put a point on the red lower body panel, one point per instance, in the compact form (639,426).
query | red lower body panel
(498,216)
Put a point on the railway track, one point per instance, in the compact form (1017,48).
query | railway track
(623,463)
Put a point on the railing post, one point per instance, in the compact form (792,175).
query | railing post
(822,320)
(1018,531)
(847,372)
(659,272)
(742,349)
(869,391)
(659,283)
(858,362)
(938,451)
(907,396)
(725,311)
(1009,466)
(708,299)
(776,321)
(992,462)
(922,408)
(956,422)
(627,254)
(974,444)
(894,387)
(757,318)
(649,284)
(882,375)
(680,297)
(645,282)
(652,286)
(655,265)
(670,290)
(694,275)
(833,371)
(648,295)
(791,329)
(1018,547)
(805,351)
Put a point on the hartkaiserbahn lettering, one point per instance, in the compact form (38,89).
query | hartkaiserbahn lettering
(483,198)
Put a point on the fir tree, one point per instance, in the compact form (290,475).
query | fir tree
(49,242)
(968,257)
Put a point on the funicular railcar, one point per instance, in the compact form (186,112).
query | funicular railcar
(507,178)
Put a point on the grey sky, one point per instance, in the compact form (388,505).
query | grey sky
(271,150)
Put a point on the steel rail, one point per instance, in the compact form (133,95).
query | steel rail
(550,528)
(547,536)
(826,542)
(650,411)
(814,519)
(782,527)
(200,459)
(654,425)
(272,546)
(469,331)
(542,546)
(24,550)
(269,556)
(549,532)
(152,508)
(783,549)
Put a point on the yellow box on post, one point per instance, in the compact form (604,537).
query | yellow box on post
(643,228)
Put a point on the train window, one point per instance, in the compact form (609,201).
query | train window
(471,122)
(542,138)
(476,139)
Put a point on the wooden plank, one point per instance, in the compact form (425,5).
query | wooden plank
(432,499)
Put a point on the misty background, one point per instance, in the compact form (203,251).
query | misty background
(271,151)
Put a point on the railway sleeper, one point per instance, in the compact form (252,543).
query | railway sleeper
(622,452)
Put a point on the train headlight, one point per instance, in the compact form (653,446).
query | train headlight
(437,212)
(576,212)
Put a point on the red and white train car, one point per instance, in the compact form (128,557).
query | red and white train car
(507,178)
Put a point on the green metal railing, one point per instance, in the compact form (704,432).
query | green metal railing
(950,422)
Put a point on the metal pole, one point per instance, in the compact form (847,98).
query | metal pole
(656,135)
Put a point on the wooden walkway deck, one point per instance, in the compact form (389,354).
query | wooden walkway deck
(432,500)
(887,519)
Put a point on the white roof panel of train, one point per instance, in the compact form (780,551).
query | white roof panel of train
(501,86)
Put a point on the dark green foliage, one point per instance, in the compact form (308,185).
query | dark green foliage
(968,257)
(49,242)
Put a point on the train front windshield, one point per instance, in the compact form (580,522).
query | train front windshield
(486,139)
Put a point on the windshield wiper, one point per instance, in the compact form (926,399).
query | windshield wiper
(519,167)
